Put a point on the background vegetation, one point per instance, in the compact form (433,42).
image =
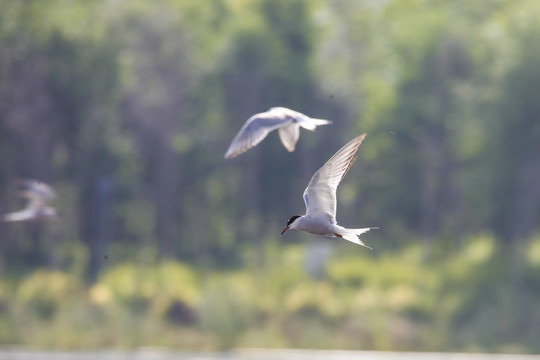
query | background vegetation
(126,108)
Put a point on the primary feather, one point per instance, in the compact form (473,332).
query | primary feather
(320,194)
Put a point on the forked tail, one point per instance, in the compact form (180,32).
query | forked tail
(352,235)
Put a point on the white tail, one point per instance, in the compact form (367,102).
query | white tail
(352,235)
(311,124)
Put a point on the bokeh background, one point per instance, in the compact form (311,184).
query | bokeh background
(127,107)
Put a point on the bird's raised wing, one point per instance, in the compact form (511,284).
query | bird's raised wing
(255,130)
(37,191)
(320,194)
(40,188)
(36,201)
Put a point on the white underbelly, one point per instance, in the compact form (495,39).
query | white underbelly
(318,227)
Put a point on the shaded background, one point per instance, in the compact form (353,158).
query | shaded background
(127,107)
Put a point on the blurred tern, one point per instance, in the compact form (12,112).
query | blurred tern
(256,128)
(320,198)
(38,195)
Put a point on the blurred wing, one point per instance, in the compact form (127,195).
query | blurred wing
(36,201)
(26,214)
(39,188)
(289,136)
(44,190)
(320,194)
(254,131)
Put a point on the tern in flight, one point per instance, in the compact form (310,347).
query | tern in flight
(287,121)
(320,198)
(38,195)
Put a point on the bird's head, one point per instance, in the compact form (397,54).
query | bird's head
(290,223)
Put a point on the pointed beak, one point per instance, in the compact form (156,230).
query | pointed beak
(285,230)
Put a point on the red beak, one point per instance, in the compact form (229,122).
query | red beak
(285,230)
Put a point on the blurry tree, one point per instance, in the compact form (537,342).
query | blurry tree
(128,107)
(513,150)
(154,103)
(59,90)
(423,119)
(404,75)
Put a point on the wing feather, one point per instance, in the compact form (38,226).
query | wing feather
(36,201)
(254,131)
(320,194)
(22,215)
(40,188)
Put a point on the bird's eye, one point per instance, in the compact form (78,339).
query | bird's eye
(291,220)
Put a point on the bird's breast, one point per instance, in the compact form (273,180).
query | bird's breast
(317,226)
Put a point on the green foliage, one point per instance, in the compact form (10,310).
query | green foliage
(45,292)
(148,288)
(401,301)
(148,94)
(126,108)
(226,308)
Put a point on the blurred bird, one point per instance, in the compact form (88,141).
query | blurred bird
(320,198)
(259,125)
(38,195)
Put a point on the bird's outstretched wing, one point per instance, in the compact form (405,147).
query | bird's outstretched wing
(22,215)
(255,130)
(320,194)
